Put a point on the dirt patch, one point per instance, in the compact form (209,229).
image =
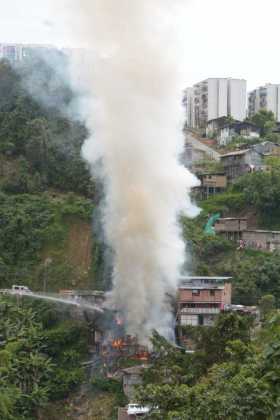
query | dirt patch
(81,407)
(79,244)
(8,167)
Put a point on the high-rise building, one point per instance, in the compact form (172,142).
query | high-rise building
(11,52)
(265,97)
(214,98)
(17,52)
(189,105)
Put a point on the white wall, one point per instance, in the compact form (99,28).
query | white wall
(212,99)
(217,98)
(273,100)
(222,97)
(237,98)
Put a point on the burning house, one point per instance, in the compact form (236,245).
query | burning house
(115,348)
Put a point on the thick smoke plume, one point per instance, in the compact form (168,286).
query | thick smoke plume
(133,111)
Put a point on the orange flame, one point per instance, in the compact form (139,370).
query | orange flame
(118,344)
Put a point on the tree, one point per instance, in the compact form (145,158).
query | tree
(31,373)
(273,162)
(246,385)
(33,126)
(265,120)
(37,146)
(262,191)
(273,137)
(267,305)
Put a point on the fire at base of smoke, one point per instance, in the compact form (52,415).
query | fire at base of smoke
(133,111)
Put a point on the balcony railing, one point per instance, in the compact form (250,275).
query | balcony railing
(198,311)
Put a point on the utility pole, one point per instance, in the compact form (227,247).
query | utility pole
(47,263)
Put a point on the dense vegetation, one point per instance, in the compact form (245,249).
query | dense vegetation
(242,381)
(45,185)
(40,358)
(39,145)
(47,202)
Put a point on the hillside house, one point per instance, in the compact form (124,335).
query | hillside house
(236,229)
(215,125)
(265,240)
(201,299)
(225,131)
(241,162)
(243,129)
(231,228)
(211,184)
(267,148)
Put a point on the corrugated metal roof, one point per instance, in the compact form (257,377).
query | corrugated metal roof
(239,152)
(204,278)
(232,218)
(205,287)
(263,231)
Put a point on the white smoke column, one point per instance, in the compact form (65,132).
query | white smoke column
(135,117)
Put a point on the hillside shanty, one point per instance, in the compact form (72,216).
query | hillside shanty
(241,162)
(236,229)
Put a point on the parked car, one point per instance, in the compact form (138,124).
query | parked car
(20,289)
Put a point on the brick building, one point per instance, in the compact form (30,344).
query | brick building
(201,299)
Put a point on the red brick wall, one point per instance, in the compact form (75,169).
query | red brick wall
(222,296)
(204,296)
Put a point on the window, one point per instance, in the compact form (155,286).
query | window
(195,292)
(212,292)
(189,320)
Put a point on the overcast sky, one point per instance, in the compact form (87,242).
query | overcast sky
(238,38)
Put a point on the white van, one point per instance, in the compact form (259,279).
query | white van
(134,409)
(20,289)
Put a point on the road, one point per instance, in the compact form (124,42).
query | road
(56,298)
(213,154)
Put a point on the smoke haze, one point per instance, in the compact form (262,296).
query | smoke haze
(133,79)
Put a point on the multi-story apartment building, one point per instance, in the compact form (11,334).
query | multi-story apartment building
(265,97)
(17,52)
(12,52)
(214,98)
(201,299)
(188,102)
(210,184)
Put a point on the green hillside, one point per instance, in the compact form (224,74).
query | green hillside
(48,207)
(48,241)
(47,196)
